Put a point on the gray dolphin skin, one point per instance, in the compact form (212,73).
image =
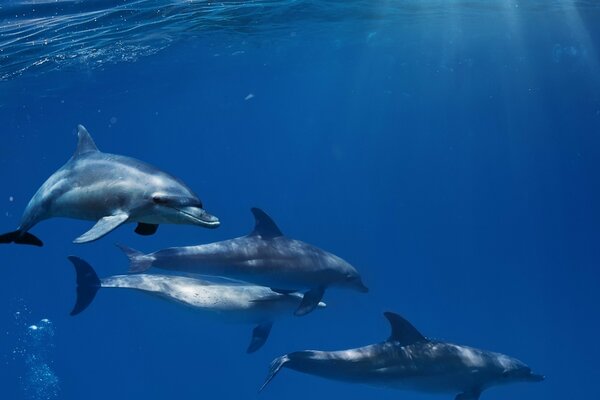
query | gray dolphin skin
(233,301)
(112,190)
(408,360)
(264,257)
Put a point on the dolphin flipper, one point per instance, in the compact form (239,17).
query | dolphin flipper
(20,237)
(310,301)
(260,335)
(471,395)
(88,284)
(146,229)
(102,227)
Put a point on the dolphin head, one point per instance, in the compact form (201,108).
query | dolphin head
(182,208)
(517,371)
(349,276)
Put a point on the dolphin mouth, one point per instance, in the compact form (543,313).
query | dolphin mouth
(536,378)
(205,219)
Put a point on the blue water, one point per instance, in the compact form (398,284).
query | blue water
(450,150)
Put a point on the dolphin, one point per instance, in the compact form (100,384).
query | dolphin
(408,360)
(232,301)
(264,257)
(112,190)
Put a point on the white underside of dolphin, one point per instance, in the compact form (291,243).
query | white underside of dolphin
(111,190)
(232,301)
(264,257)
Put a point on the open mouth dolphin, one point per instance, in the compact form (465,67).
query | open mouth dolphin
(112,190)
(234,302)
(408,360)
(264,257)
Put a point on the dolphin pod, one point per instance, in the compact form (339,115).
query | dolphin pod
(112,190)
(265,257)
(235,302)
(267,276)
(408,360)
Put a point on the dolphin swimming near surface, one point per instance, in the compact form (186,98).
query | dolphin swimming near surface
(232,301)
(264,257)
(408,360)
(112,190)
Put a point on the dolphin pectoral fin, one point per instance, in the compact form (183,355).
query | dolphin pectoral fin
(471,395)
(146,229)
(259,336)
(402,331)
(102,227)
(283,291)
(20,237)
(310,301)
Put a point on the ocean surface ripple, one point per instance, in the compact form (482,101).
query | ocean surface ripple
(39,36)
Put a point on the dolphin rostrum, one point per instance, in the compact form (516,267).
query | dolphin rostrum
(231,301)
(110,189)
(408,360)
(264,257)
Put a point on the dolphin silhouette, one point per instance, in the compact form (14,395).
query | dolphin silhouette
(112,190)
(264,257)
(232,301)
(408,360)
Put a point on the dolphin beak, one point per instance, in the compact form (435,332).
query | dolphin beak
(536,378)
(209,221)
(361,287)
(200,216)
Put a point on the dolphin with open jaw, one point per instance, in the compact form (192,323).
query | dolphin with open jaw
(232,301)
(112,190)
(264,257)
(408,360)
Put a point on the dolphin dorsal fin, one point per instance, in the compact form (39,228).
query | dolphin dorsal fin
(402,330)
(85,143)
(264,225)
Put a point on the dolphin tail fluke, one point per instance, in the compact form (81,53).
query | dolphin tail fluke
(276,365)
(20,237)
(138,261)
(88,284)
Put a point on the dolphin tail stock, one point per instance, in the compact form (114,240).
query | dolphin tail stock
(88,284)
(20,237)
(138,261)
(276,365)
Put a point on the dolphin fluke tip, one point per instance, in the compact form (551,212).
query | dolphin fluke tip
(20,237)
(138,261)
(276,365)
(88,284)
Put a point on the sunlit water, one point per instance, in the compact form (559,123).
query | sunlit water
(46,35)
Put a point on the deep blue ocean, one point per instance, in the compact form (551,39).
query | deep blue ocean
(449,150)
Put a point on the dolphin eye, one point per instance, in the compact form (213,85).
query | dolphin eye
(160,199)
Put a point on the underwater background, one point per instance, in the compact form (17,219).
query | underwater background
(450,150)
